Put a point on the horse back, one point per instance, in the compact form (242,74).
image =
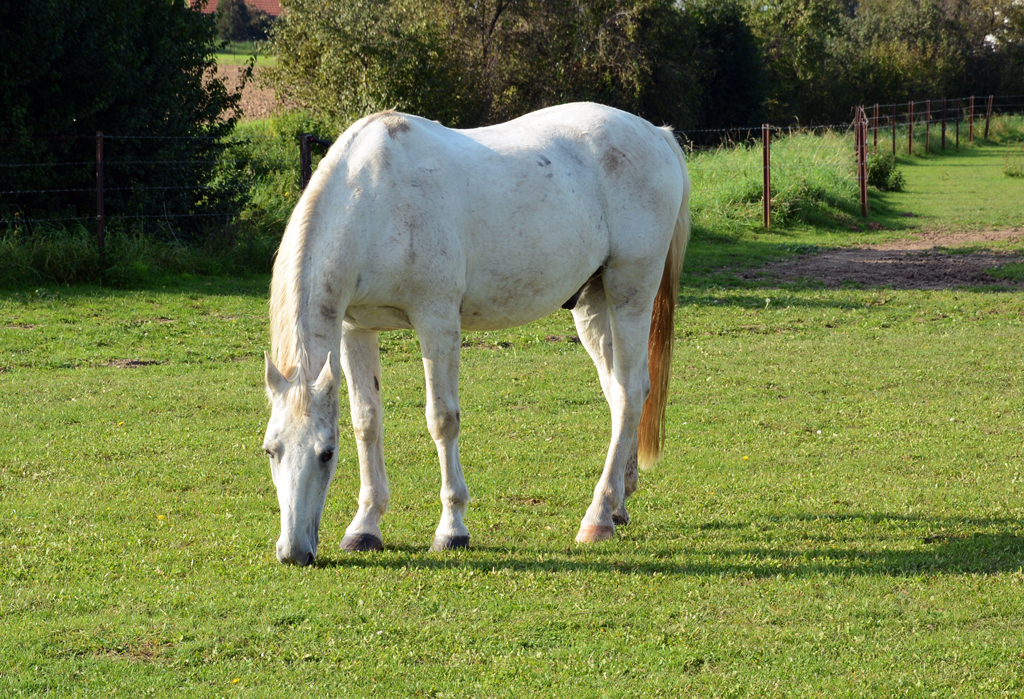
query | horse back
(508,220)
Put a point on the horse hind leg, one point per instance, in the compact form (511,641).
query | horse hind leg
(631,482)
(593,324)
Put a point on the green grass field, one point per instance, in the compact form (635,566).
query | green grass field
(241,52)
(839,511)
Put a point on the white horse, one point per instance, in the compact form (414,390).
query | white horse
(408,224)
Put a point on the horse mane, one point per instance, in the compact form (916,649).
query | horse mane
(289,294)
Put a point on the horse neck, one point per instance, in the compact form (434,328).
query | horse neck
(309,293)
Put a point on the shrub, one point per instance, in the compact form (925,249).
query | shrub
(883,173)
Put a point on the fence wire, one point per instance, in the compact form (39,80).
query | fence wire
(132,191)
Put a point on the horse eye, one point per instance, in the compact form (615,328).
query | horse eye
(326,456)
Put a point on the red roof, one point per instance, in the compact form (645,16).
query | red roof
(271,7)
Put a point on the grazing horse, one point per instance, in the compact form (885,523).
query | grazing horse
(408,224)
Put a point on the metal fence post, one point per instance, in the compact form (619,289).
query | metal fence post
(766,146)
(100,213)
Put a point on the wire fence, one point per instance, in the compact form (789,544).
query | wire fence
(192,180)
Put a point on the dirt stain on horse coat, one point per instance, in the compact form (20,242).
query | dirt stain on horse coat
(613,159)
(395,123)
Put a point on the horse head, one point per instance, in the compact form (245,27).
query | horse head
(302,443)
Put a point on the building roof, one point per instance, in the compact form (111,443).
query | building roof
(271,7)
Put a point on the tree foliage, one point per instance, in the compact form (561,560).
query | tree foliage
(695,63)
(135,69)
(824,56)
(472,63)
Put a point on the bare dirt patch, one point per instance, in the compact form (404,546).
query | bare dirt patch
(130,363)
(932,260)
(258,100)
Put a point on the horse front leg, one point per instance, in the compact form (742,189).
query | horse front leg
(440,343)
(360,358)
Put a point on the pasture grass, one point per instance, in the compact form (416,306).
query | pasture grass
(838,512)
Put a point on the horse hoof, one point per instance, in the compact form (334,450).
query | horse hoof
(448,543)
(621,517)
(591,533)
(361,542)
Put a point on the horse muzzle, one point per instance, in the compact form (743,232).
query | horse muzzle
(301,553)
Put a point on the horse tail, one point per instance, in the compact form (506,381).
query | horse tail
(651,434)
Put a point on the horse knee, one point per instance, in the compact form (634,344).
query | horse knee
(443,421)
(366,423)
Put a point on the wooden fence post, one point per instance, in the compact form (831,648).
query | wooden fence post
(305,159)
(959,113)
(943,123)
(927,126)
(910,128)
(894,129)
(100,213)
(766,150)
(988,115)
(970,123)
(861,136)
(876,128)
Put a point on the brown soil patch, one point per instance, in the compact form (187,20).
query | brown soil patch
(258,100)
(130,363)
(930,261)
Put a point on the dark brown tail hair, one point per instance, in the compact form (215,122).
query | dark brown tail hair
(651,435)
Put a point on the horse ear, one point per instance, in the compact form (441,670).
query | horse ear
(276,382)
(326,379)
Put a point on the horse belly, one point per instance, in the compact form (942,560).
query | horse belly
(515,294)
(529,253)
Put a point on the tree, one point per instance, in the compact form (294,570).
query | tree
(473,62)
(798,38)
(728,63)
(140,70)
(237,20)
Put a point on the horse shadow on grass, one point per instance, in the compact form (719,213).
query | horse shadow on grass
(930,546)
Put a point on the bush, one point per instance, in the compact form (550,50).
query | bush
(883,173)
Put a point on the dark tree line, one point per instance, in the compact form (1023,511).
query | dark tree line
(237,20)
(142,71)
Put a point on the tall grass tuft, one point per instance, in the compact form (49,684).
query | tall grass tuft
(812,176)
(1013,161)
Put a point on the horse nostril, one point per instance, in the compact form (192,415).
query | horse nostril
(309,559)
